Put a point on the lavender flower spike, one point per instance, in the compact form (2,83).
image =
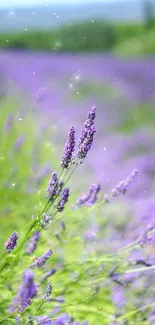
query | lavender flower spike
(11,242)
(122,187)
(85,146)
(52,189)
(40,261)
(45,221)
(32,243)
(64,199)
(26,292)
(49,290)
(90,198)
(69,149)
(48,274)
(43,320)
(88,123)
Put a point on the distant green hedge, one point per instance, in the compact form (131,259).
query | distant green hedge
(81,37)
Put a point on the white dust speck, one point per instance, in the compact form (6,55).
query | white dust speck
(25,29)
(11,13)
(13,184)
(77,92)
(105,148)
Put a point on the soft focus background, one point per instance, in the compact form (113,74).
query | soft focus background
(57,60)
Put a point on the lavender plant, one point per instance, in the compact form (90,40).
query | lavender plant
(78,276)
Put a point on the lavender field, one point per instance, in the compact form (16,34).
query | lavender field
(103,261)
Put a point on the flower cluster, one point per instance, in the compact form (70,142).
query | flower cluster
(52,189)
(45,221)
(32,244)
(40,261)
(48,274)
(11,242)
(64,199)
(49,290)
(69,149)
(87,135)
(89,198)
(26,292)
(122,187)
(148,237)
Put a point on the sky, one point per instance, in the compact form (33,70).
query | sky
(11,4)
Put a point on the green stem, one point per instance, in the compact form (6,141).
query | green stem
(127,315)
(2,320)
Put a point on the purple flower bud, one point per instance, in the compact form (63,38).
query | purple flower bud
(52,189)
(147,237)
(26,292)
(19,142)
(32,243)
(43,320)
(18,320)
(48,274)
(45,221)
(62,319)
(11,242)
(40,261)
(69,149)
(93,190)
(49,290)
(9,123)
(91,197)
(122,187)
(85,146)
(87,134)
(64,199)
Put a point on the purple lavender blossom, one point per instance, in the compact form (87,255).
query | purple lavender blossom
(52,189)
(122,187)
(40,261)
(94,190)
(11,242)
(148,237)
(118,296)
(88,123)
(45,221)
(49,290)
(32,243)
(87,135)
(43,320)
(19,142)
(9,123)
(86,144)
(64,199)
(89,198)
(26,292)
(69,149)
(48,274)
(61,320)
(18,320)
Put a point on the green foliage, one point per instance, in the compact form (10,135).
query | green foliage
(148,14)
(89,36)
(22,194)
